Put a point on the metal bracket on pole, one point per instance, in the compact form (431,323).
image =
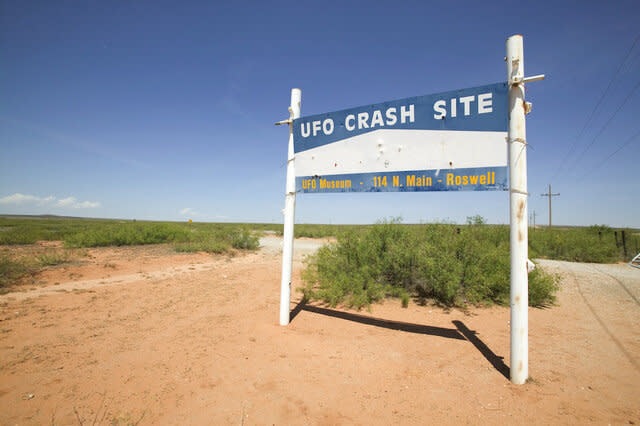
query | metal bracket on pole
(533,78)
(520,140)
(516,80)
(517,191)
(291,117)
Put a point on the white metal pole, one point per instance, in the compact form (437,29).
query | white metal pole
(518,212)
(289,214)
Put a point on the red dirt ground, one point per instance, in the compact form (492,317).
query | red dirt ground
(144,335)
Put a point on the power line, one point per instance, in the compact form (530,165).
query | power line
(620,148)
(605,125)
(566,157)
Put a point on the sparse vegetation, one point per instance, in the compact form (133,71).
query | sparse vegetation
(218,240)
(126,234)
(12,271)
(454,264)
(81,233)
(53,257)
(209,237)
(597,244)
(244,239)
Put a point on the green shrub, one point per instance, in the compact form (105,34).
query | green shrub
(542,288)
(244,239)
(595,244)
(16,235)
(450,264)
(218,239)
(12,271)
(211,246)
(122,234)
(53,257)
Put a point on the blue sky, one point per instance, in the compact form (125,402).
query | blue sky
(165,110)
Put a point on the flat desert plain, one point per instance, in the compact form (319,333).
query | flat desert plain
(143,335)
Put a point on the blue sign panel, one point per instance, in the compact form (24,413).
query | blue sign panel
(447,141)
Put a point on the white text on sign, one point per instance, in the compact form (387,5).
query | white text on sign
(484,105)
(464,105)
(361,120)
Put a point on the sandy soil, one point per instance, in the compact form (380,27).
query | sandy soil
(143,335)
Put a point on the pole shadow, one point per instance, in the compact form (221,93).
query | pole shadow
(461,332)
(496,361)
(295,311)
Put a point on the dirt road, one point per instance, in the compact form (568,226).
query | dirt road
(146,335)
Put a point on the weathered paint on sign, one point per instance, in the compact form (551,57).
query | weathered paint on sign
(442,142)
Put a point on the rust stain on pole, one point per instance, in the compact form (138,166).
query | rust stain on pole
(520,209)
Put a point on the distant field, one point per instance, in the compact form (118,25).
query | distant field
(597,244)
(75,233)
(452,264)
(83,233)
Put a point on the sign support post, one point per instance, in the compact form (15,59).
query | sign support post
(517,143)
(289,213)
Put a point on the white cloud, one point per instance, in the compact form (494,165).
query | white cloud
(18,198)
(188,211)
(66,202)
(87,205)
(75,204)
(69,202)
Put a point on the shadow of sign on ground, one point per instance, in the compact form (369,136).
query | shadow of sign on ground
(460,332)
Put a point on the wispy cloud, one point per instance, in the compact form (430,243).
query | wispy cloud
(66,202)
(18,198)
(189,212)
(75,204)
(69,202)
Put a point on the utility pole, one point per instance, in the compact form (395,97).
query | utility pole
(534,219)
(549,194)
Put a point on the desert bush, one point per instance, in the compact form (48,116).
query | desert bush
(29,230)
(209,237)
(244,239)
(542,288)
(53,257)
(18,235)
(590,244)
(218,239)
(209,246)
(360,269)
(123,234)
(593,244)
(12,271)
(450,264)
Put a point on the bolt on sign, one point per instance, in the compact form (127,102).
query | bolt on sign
(450,141)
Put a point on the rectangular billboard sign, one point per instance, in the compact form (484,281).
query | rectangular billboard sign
(450,141)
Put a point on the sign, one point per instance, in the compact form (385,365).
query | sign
(449,141)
